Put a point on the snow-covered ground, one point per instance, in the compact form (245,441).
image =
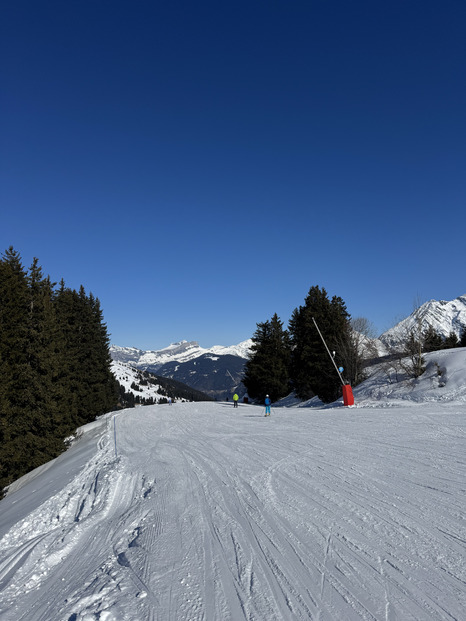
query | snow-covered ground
(198,511)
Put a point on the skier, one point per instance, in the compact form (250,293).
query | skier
(267,405)
(235,400)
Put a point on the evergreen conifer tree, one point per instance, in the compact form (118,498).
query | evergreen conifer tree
(267,370)
(312,371)
(15,415)
(90,385)
(103,385)
(43,370)
(432,341)
(451,341)
(462,342)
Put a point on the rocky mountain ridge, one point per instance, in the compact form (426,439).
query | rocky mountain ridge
(216,371)
(182,351)
(445,317)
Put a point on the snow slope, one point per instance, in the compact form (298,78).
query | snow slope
(127,376)
(202,512)
(444,380)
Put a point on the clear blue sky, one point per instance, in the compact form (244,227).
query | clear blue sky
(200,165)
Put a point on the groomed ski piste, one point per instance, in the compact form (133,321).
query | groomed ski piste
(199,511)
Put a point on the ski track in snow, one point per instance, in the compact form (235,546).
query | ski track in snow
(210,513)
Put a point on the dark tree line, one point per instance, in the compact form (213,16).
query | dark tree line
(296,359)
(55,370)
(432,341)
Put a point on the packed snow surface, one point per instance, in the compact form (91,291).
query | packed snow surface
(199,511)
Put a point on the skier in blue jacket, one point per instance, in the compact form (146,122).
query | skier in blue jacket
(267,405)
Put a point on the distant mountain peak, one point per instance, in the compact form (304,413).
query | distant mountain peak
(192,364)
(443,316)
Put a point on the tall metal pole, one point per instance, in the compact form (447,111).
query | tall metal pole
(328,351)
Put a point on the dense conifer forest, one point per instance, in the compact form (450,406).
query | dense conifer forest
(55,366)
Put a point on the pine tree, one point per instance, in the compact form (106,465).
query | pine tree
(451,341)
(104,387)
(65,302)
(14,419)
(432,341)
(89,383)
(267,370)
(462,342)
(312,371)
(46,345)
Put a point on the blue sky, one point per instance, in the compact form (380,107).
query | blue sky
(199,166)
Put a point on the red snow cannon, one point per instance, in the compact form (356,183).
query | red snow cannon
(348,398)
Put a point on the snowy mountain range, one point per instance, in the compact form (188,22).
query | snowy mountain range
(183,351)
(444,317)
(216,371)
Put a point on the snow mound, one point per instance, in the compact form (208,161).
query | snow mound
(444,380)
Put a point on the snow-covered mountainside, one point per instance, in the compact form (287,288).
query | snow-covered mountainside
(148,388)
(443,317)
(216,371)
(204,512)
(183,351)
(130,378)
(217,376)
